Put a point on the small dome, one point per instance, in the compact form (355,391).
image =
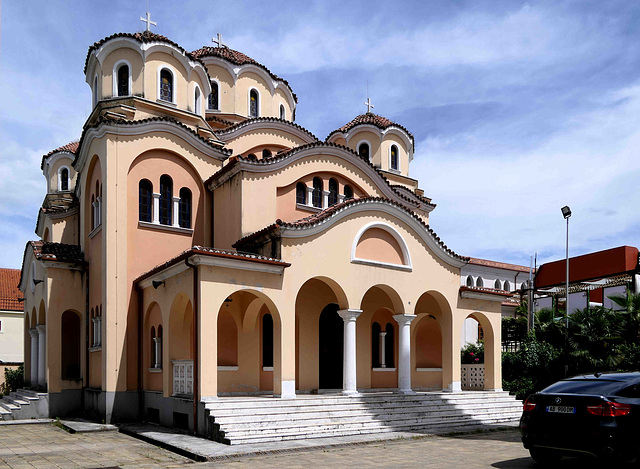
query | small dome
(370,119)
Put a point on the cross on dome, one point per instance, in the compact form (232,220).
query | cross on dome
(148,21)
(218,40)
(369,105)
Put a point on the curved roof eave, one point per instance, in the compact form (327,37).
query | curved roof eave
(265,122)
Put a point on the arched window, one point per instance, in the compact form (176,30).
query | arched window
(166,199)
(166,85)
(95,91)
(389,344)
(254,104)
(333,192)
(317,192)
(145,189)
(266,153)
(469,281)
(375,345)
(93,211)
(213,97)
(394,157)
(301,193)
(184,208)
(363,151)
(479,282)
(497,285)
(348,192)
(123,80)
(507,286)
(64,179)
(152,343)
(282,112)
(267,340)
(197,101)
(159,348)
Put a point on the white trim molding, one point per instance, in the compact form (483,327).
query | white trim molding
(116,67)
(197,106)
(370,148)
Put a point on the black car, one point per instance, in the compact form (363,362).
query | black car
(596,415)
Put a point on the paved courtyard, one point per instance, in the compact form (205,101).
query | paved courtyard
(47,446)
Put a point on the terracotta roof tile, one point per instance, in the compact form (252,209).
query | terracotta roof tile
(334,209)
(414,200)
(9,292)
(71,147)
(498,265)
(371,119)
(237,58)
(144,37)
(490,291)
(57,252)
(267,119)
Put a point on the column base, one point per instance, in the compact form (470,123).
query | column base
(350,393)
(454,386)
(206,399)
(406,391)
(288,390)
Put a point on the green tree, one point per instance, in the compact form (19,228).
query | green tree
(631,314)
(594,339)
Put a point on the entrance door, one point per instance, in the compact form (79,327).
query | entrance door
(331,342)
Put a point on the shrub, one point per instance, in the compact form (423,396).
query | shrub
(472,354)
(521,387)
(13,379)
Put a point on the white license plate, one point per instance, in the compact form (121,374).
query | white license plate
(561,409)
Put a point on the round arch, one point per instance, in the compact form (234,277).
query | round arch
(491,340)
(42,314)
(406,256)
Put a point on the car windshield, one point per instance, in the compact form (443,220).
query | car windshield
(585,386)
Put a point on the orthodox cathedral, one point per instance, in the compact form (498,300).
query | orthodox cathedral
(196,243)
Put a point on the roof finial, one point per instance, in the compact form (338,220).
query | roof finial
(148,21)
(218,40)
(368,101)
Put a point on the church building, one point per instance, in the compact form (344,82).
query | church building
(196,243)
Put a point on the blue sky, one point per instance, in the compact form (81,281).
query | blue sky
(517,108)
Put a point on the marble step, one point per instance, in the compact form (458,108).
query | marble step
(462,425)
(359,419)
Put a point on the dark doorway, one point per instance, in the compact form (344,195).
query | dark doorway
(331,342)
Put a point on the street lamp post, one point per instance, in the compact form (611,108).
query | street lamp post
(566,213)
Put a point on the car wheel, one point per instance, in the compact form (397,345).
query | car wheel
(544,455)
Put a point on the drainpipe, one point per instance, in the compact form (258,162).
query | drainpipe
(140,350)
(195,345)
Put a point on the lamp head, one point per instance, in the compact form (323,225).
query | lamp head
(566,211)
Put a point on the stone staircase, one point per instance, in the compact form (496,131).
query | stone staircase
(24,404)
(241,420)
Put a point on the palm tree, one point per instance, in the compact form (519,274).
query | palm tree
(631,313)
(594,338)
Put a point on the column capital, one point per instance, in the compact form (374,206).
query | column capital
(41,328)
(175,199)
(155,195)
(349,314)
(403,319)
(33,333)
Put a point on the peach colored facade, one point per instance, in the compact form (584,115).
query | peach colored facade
(207,245)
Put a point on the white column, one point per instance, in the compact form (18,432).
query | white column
(383,351)
(156,208)
(349,384)
(310,196)
(158,352)
(325,199)
(42,356)
(34,356)
(404,359)
(174,215)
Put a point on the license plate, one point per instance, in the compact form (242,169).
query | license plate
(561,409)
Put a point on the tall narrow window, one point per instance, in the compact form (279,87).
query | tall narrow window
(363,150)
(93,211)
(282,112)
(254,105)
(267,340)
(123,80)
(145,189)
(348,192)
(333,192)
(317,192)
(159,347)
(389,346)
(266,153)
(196,101)
(152,343)
(479,282)
(497,285)
(375,345)
(166,85)
(166,199)
(469,281)
(507,285)
(394,157)
(213,97)
(184,208)
(64,179)
(301,193)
